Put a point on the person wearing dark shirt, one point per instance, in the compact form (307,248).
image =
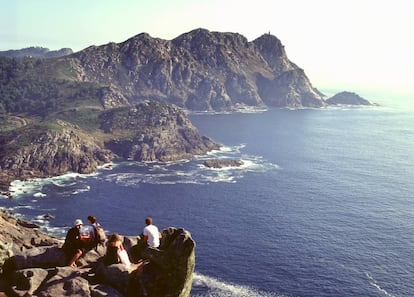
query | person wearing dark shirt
(73,246)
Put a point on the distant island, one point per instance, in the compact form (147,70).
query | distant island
(36,52)
(347,98)
(75,111)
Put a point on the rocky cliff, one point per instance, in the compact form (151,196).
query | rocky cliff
(33,264)
(199,70)
(159,132)
(144,132)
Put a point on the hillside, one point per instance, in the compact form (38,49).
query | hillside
(199,70)
(36,52)
(82,138)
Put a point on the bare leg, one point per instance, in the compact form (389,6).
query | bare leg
(75,257)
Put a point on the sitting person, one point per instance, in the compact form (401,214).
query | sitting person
(115,252)
(74,247)
(99,234)
(151,234)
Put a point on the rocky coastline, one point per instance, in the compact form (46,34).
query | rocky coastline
(143,132)
(33,264)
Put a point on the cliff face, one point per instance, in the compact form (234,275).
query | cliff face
(199,70)
(160,132)
(41,152)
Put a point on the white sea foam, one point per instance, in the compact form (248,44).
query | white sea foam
(373,282)
(213,287)
(239,108)
(39,195)
(34,186)
(194,171)
(82,190)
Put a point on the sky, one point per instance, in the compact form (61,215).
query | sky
(354,45)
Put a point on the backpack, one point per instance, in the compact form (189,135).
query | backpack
(100,234)
(86,236)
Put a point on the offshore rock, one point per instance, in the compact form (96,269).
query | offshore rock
(222,163)
(39,270)
(347,98)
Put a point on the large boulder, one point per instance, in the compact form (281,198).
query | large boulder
(167,271)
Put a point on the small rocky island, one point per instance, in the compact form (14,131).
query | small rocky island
(222,163)
(347,98)
(33,264)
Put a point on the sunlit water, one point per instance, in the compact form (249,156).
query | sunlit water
(323,205)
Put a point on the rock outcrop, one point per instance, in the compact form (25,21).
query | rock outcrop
(34,265)
(144,132)
(160,132)
(347,98)
(222,163)
(42,152)
(200,70)
(17,236)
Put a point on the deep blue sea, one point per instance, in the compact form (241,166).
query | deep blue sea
(323,205)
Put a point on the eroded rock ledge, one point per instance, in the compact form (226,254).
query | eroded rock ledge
(33,265)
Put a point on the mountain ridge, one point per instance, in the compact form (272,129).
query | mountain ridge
(36,52)
(200,70)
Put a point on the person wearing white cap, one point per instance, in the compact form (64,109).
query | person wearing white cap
(73,245)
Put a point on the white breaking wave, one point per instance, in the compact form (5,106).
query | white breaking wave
(373,282)
(194,172)
(207,286)
(34,186)
(39,195)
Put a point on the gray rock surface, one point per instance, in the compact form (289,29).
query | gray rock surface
(144,132)
(347,98)
(222,163)
(32,270)
(199,70)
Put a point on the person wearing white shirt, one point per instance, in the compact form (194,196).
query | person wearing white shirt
(151,234)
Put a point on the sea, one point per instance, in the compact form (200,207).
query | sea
(323,204)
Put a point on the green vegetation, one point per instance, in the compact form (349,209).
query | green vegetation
(26,88)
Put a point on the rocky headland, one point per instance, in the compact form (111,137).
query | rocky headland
(33,264)
(144,132)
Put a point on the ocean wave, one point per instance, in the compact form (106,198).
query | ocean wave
(240,108)
(373,282)
(207,286)
(191,172)
(39,195)
(34,187)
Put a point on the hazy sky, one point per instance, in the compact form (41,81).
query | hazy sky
(341,44)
